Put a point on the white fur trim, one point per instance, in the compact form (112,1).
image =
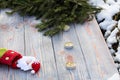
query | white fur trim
(33,72)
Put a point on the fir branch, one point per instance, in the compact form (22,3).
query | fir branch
(55,13)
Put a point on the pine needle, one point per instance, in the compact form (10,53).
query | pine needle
(55,13)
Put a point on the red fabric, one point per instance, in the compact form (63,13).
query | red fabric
(12,58)
(14,65)
(36,66)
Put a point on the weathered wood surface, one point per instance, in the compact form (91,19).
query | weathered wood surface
(90,53)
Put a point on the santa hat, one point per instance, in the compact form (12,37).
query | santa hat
(9,57)
(35,67)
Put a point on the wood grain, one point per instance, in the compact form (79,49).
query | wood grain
(40,47)
(81,72)
(98,59)
(90,52)
(12,37)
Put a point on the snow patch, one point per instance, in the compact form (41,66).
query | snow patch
(115,77)
(112,38)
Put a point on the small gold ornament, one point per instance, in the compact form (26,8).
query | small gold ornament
(70,65)
(68,45)
(66,28)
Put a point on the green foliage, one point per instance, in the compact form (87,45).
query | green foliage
(55,14)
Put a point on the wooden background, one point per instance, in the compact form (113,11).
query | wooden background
(90,53)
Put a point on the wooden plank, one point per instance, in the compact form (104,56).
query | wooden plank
(81,71)
(12,37)
(90,53)
(98,59)
(41,47)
